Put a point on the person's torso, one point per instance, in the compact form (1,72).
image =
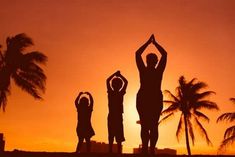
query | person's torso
(84,116)
(115,102)
(150,80)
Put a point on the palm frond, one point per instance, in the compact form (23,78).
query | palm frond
(191,133)
(35,56)
(226,142)
(3,99)
(198,114)
(206,104)
(173,108)
(203,132)
(32,68)
(27,86)
(182,81)
(201,96)
(179,93)
(169,101)
(4,87)
(229,132)
(233,100)
(166,118)
(34,78)
(198,86)
(19,42)
(171,96)
(32,72)
(180,127)
(230,117)
(192,81)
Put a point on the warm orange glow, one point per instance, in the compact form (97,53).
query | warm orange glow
(87,41)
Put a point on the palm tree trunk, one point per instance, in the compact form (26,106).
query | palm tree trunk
(186,135)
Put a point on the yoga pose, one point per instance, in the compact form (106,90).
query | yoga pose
(116,91)
(149,101)
(84,128)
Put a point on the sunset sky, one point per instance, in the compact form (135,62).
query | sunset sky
(87,40)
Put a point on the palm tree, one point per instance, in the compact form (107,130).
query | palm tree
(229,135)
(22,67)
(189,101)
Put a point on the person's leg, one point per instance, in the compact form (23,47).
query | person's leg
(144,137)
(111,139)
(119,145)
(143,114)
(111,129)
(154,131)
(119,134)
(79,145)
(88,145)
(153,138)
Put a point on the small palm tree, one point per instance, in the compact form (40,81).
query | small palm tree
(189,101)
(22,67)
(229,135)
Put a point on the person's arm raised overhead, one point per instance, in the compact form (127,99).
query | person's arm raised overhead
(109,79)
(91,100)
(125,82)
(78,98)
(138,57)
(162,63)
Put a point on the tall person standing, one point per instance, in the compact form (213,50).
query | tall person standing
(149,101)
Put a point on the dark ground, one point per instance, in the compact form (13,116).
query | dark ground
(61,154)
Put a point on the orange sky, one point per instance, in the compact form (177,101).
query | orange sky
(87,40)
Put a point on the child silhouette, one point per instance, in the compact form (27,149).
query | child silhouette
(84,127)
(116,91)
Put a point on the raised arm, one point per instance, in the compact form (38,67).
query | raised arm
(138,57)
(125,82)
(162,63)
(91,100)
(78,98)
(109,79)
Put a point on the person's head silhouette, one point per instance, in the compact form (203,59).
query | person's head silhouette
(116,84)
(151,60)
(84,102)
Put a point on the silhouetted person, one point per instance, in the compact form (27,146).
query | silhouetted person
(116,91)
(149,101)
(84,128)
